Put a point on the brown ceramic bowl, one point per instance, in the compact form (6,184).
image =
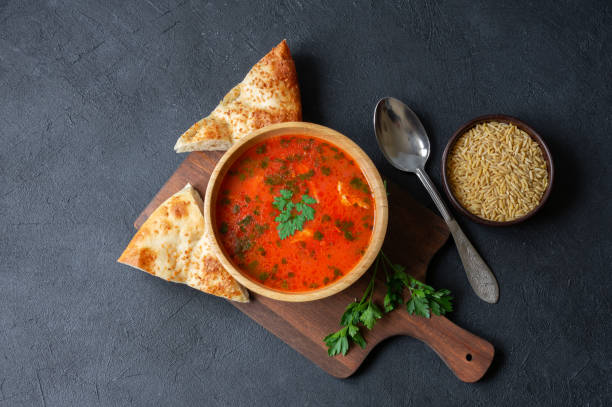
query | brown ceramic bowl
(331,136)
(519,124)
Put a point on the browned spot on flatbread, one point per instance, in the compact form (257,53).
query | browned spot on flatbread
(210,276)
(179,208)
(263,118)
(146,258)
(165,226)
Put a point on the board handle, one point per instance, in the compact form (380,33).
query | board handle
(467,355)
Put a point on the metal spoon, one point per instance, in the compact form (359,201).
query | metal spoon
(404,142)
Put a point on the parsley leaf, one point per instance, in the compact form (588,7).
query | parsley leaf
(394,296)
(292,215)
(308,200)
(370,314)
(419,306)
(351,314)
(337,342)
(356,335)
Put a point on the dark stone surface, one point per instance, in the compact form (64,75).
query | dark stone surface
(93,97)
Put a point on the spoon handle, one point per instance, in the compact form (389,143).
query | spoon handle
(479,275)
(433,192)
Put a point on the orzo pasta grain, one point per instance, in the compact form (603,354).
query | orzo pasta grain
(497,172)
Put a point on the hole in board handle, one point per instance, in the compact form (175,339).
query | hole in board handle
(468,357)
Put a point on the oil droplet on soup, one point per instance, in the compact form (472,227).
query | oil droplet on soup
(295,213)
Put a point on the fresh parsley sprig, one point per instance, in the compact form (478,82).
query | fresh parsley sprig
(423,297)
(424,300)
(292,215)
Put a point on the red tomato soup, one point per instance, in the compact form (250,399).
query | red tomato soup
(295,213)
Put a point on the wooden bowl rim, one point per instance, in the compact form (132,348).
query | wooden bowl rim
(355,152)
(519,124)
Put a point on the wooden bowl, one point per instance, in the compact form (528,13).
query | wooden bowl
(519,124)
(313,130)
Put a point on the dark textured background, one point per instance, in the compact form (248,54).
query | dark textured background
(93,97)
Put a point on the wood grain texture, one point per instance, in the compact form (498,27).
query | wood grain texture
(414,235)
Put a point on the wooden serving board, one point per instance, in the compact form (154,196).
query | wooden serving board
(414,235)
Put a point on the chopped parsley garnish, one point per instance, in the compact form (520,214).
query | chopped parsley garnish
(273,179)
(292,215)
(246,220)
(243,245)
(294,157)
(223,228)
(325,170)
(357,183)
(262,149)
(345,227)
(318,235)
(260,229)
(306,175)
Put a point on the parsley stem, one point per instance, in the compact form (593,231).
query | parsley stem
(370,289)
(385,257)
(374,277)
(393,268)
(386,270)
(412,279)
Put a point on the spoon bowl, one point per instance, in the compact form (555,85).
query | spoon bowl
(401,135)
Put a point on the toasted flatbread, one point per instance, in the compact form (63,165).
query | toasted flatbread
(207,274)
(172,244)
(268,94)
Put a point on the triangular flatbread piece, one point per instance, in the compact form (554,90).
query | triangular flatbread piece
(207,274)
(268,94)
(172,244)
